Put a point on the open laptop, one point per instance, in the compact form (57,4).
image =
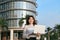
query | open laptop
(40,29)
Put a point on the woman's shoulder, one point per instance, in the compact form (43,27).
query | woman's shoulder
(29,25)
(26,26)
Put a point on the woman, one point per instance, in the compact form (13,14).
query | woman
(29,28)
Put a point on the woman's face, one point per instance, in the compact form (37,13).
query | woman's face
(31,20)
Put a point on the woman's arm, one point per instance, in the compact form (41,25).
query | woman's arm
(24,32)
(38,35)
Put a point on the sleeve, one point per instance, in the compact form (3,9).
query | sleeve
(24,33)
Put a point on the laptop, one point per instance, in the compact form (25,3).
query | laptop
(39,29)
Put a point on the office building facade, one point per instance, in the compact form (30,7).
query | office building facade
(13,10)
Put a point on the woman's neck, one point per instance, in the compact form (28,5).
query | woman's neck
(31,24)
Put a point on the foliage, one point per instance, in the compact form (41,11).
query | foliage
(3,24)
(21,20)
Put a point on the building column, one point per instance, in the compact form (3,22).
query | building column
(45,38)
(11,34)
(0,35)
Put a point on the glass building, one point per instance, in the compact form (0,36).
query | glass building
(13,10)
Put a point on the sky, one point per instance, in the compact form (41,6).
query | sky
(48,12)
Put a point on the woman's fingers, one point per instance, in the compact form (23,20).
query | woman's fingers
(38,34)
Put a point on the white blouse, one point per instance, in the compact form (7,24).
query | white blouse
(28,30)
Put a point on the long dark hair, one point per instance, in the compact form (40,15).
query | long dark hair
(27,22)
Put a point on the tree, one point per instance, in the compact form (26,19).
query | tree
(48,31)
(53,35)
(21,20)
(57,27)
(3,24)
(4,27)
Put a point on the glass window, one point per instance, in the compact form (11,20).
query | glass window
(24,5)
(7,5)
(10,5)
(24,14)
(4,0)
(0,0)
(15,14)
(30,6)
(12,14)
(32,0)
(15,22)
(3,6)
(4,15)
(18,13)
(12,23)
(0,7)
(18,4)
(0,14)
(9,14)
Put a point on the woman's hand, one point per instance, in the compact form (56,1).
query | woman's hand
(38,34)
(31,34)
